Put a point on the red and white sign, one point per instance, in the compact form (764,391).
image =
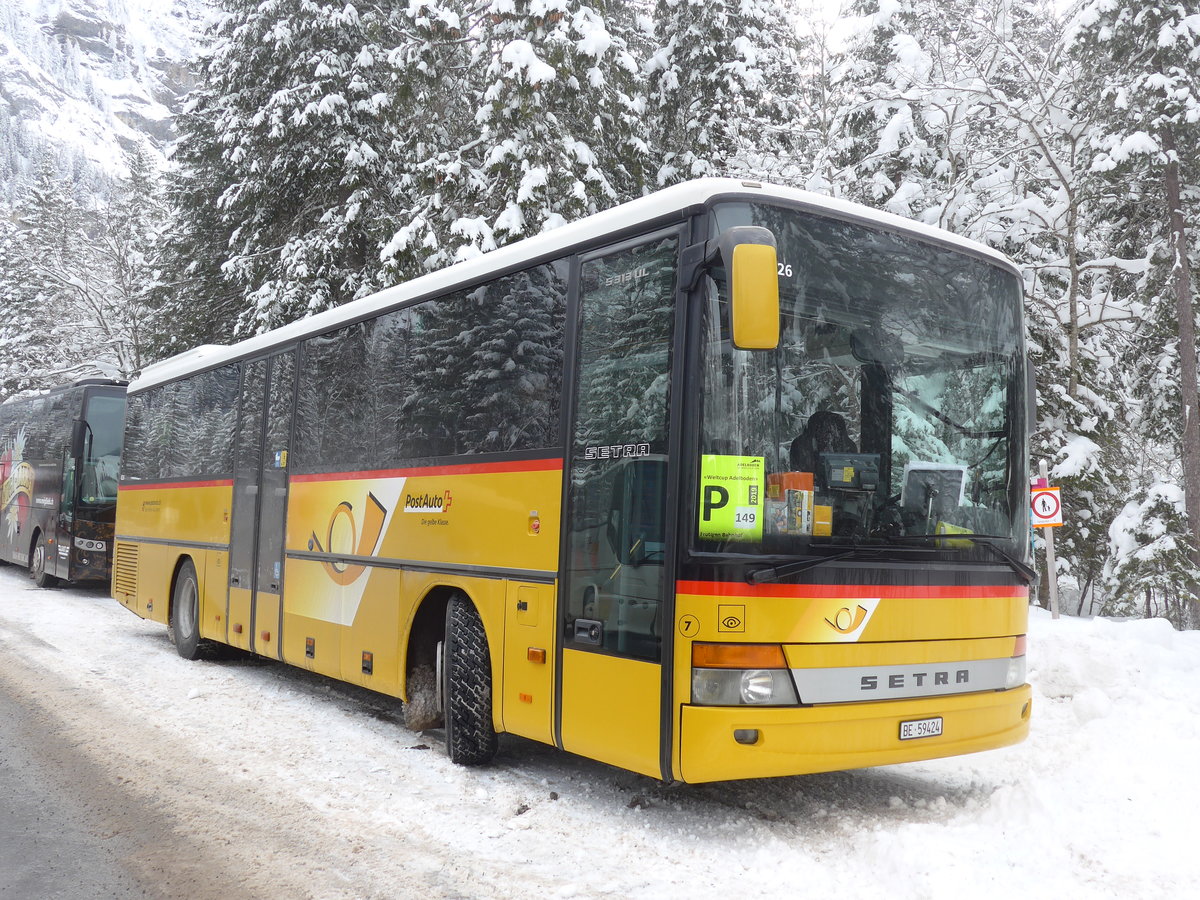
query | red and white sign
(1045,507)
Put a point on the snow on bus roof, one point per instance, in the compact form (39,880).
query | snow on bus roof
(659,205)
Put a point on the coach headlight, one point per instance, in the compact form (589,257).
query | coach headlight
(90,545)
(1015,676)
(741,675)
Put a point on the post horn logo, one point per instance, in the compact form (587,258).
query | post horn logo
(343,533)
(847,622)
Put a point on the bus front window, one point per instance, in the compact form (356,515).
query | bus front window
(891,412)
(101,452)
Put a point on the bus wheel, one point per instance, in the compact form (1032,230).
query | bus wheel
(184,626)
(37,563)
(467,679)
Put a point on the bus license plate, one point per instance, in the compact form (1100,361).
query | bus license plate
(920,728)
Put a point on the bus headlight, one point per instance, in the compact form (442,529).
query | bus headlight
(741,675)
(1015,676)
(88,544)
(743,687)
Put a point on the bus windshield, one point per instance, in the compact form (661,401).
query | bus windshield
(892,411)
(101,456)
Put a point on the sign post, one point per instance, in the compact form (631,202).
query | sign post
(1045,509)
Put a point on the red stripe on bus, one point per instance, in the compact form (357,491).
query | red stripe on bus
(163,485)
(523,465)
(848,591)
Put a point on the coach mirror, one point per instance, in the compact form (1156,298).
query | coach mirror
(79,430)
(748,252)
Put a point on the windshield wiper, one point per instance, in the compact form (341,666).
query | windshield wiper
(946,420)
(1026,573)
(774,573)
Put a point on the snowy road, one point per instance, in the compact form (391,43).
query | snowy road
(250,779)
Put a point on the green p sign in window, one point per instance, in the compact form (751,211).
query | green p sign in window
(731,498)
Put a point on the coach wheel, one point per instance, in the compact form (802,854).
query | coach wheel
(185,612)
(37,563)
(467,686)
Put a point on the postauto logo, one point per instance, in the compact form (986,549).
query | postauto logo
(427,503)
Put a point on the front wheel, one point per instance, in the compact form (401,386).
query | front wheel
(184,621)
(38,558)
(467,686)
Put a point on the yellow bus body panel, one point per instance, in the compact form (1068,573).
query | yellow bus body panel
(527,699)
(501,519)
(174,516)
(828,626)
(354,618)
(196,512)
(610,710)
(844,736)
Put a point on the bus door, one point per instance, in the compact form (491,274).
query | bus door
(614,539)
(255,612)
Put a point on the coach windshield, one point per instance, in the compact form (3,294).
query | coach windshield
(891,413)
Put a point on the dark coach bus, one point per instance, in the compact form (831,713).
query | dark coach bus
(60,451)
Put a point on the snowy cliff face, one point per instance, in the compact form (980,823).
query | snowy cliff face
(85,80)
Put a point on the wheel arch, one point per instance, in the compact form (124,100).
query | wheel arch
(426,631)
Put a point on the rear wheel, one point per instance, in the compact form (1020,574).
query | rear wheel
(184,626)
(467,678)
(38,559)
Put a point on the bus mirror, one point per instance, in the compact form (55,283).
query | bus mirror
(78,435)
(748,252)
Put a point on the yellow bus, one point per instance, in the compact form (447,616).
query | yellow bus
(726,482)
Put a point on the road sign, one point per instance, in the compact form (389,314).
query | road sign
(1045,507)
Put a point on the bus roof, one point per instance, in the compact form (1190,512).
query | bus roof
(36,393)
(676,201)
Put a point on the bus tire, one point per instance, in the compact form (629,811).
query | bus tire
(184,622)
(467,677)
(38,557)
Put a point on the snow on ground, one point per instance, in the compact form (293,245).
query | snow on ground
(1100,802)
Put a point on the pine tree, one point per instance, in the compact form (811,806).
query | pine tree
(1143,61)
(715,87)
(1150,560)
(435,193)
(132,225)
(546,109)
(288,132)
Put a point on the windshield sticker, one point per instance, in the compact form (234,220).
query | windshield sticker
(731,498)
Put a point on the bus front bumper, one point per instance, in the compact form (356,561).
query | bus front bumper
(803,740)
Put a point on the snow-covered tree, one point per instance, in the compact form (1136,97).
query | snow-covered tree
(547,108)
(287,131)
(437,183)
(1143,62)
(67,280)
(717,101)
(1151,565)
